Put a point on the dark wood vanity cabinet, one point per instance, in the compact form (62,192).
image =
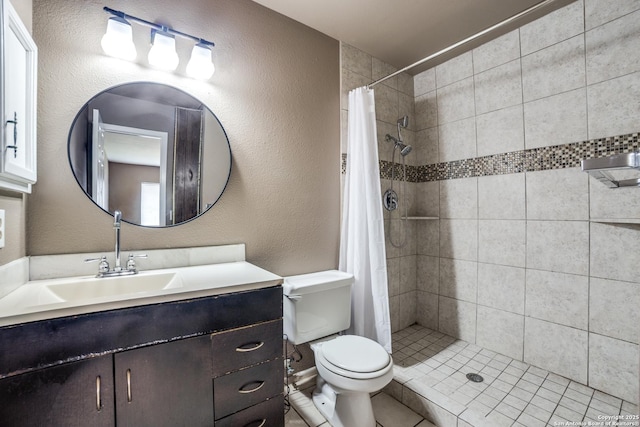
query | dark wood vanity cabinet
(165,385)
(76,394)
(230,375)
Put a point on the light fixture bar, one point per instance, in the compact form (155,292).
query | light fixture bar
(157,27)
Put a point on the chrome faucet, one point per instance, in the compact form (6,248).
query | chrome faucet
(103,267)
(117,221)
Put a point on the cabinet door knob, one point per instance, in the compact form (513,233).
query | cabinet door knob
(251,390)
(15,134)
(255,423)
(129,397)
(98,399)
(252,346)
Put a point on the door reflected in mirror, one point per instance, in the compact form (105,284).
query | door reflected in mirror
(152,151)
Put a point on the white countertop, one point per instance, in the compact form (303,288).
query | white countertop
(35,301)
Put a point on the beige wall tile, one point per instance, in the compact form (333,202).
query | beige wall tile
(353,59)
(454,70)
(598,12)
(427,146)
(386,104)
(458,239)
(553,70)
(501,131)
(561,246)
(555,27)
(544,342)
(428,276)
(613,106)
(428,237)
(557,119)
(613,366)
(455,101)
(612,49)
(614,249)
(426,111)
(425,82)
(558,298)
(408,270)
(501,196)
(427,310)
(459,279)
(457,140)
(558,194)
(457,318)
(498,87)
(502,242)
(613,309)
(501,287)
(459,198)
(497,52)
(604,203)
(501,331)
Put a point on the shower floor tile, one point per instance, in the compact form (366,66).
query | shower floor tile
(430,378)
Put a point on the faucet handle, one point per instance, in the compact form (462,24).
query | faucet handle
(103,266)
(131,264)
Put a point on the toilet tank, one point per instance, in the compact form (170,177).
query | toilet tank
(316,305)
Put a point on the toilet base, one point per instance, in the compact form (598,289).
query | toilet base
(343,409)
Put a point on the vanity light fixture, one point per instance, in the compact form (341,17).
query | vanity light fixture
(118,42)
(200,65)
(163,53)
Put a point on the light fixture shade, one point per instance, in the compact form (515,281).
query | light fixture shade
(118,39)
(163,51)
(200,65)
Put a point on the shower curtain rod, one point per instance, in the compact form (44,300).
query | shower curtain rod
(460,43)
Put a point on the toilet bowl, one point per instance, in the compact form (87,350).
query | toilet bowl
(315,307)
(350,367)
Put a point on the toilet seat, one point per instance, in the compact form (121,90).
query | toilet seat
(354,357)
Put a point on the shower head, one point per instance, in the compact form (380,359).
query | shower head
(404,149)
(403,122)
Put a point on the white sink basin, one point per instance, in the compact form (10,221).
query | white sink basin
(91,288)
(49,298)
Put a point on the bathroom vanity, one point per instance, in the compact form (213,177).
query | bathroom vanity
(176,357)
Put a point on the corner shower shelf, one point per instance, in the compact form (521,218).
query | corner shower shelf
(420,217)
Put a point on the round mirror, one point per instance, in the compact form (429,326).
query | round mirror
(151,151)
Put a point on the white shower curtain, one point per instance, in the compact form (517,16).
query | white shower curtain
(362,250)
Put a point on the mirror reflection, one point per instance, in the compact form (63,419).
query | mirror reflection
(150,150)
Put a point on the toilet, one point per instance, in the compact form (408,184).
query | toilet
(317,306)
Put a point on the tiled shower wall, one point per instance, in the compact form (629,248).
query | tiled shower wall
(394,99)
(537,265)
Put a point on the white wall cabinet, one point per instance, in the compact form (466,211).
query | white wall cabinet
(18,80)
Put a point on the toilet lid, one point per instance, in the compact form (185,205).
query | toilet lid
(355,354)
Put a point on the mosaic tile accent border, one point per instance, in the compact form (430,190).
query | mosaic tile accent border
(534,159)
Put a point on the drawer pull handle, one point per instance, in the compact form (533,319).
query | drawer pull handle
(98,399)
(253,423)
(243,391)
(252,346)
(129,397)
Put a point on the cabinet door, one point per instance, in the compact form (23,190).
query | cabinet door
(77,394)
(18,103)
(165,385)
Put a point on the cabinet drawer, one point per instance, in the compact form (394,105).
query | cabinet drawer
(245,388)
(240,348)
(266,414)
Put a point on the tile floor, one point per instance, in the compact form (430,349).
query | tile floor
(430,386)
